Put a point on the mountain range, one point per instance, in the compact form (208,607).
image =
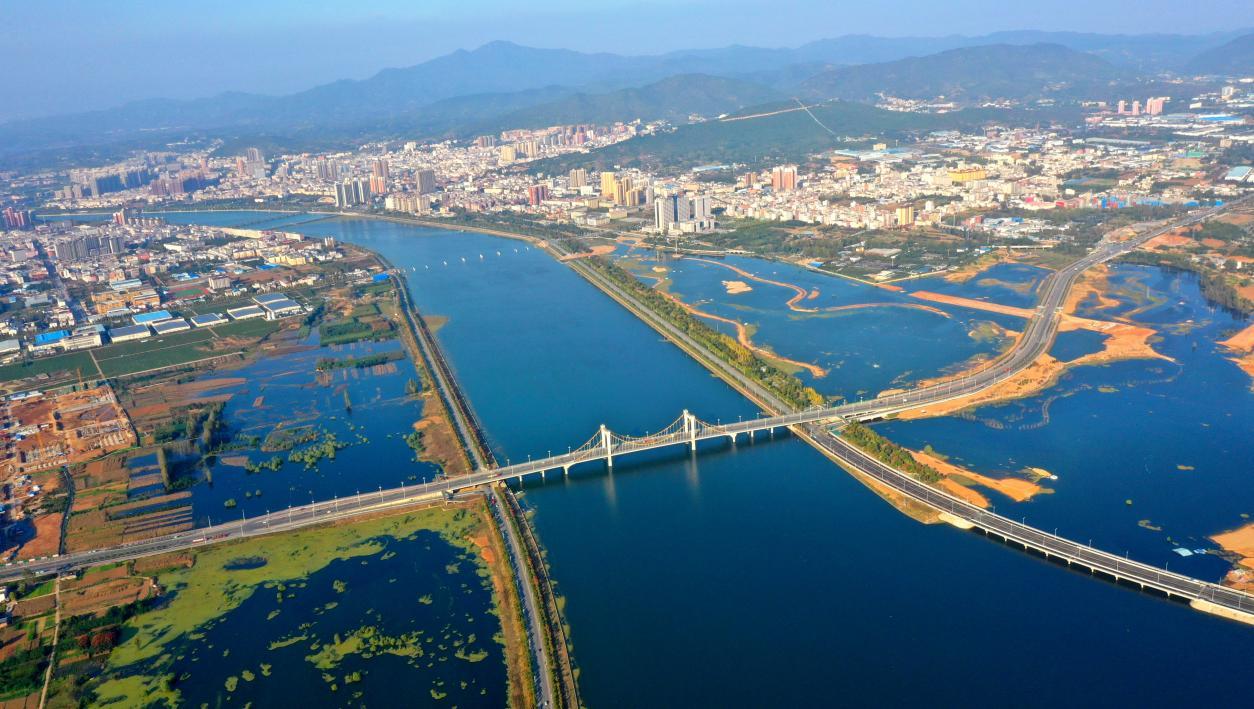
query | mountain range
(503,85)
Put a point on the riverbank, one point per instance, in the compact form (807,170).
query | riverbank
(1241,345)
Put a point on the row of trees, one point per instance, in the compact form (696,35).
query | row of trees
(888,452)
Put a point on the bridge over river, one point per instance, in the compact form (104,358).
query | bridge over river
(816,425)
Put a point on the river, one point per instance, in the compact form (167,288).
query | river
(761,573)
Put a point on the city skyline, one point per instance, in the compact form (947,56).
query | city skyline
(282,48)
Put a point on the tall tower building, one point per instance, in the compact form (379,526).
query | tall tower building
(609,184)
(425,180)
(784,178)
(578,178)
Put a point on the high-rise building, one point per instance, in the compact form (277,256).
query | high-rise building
(378,184)
(327,170)
(1123,107)
(507,155)
(380,168)
(671,209)
(578,178)
(609,183)
(702,208)
(425,180)
(622,188)
(784,178)
(485,141)
(1136,108)
(255,155)
(18,218)
(352,192)
(905,216)
(536,194)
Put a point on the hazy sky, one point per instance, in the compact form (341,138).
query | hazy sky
(72,55)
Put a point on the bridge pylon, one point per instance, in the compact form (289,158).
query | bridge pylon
(608,444)
(690,429)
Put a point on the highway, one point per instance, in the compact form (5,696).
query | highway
(812,424)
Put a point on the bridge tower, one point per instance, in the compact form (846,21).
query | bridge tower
(690,429)
(608,444)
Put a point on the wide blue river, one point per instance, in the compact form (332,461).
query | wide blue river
(763,574)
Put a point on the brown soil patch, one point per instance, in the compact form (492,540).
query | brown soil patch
(1093,283)
(440,442)
(972,303)
(1240,543)
(1016,489)
(1243,341)
(31,701)
(963,492)
(39,605)
(598,250)
(103,596)
(1167,241)
(162,562)
(47,540)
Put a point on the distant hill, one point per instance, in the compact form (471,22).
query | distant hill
(1234,58)
(459,91)
(971,73)
(673,98)
(780,134)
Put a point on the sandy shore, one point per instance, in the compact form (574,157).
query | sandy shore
(737,287)
(1240,543)
(1242,346)
(1016,489)
(598,250)
(972,303)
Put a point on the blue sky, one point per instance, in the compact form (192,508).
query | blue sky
(72,55)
